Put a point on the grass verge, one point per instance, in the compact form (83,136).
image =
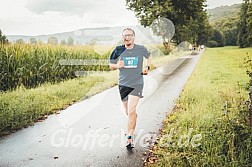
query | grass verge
(209,125)
(23,107)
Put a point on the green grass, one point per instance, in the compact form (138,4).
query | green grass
(23,107)
(212,107)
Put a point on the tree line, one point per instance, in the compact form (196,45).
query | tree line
(52,40)
(189,17)
(245,25)
(238,30)
(191,21)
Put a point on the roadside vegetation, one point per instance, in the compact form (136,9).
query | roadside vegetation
(32,65)
(210,123)
(34,84)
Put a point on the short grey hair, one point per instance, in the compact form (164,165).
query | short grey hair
(130,29)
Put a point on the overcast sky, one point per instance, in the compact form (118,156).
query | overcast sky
(37,17)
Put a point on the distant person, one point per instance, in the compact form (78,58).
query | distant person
(190,47)
(128,58)
(194,47)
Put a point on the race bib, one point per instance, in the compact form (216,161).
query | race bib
(130,62)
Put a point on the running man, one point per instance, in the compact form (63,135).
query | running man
(128,58)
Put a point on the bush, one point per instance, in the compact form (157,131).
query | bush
(212,44)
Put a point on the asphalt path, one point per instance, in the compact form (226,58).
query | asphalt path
(92,132)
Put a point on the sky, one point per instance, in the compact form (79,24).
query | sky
(43,17)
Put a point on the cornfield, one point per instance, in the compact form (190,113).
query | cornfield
(32,65)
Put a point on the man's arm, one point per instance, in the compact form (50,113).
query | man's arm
(113,66)
(120,64)
(147,67)
(148,61)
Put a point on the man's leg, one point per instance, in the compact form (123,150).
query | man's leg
(125,104)
(132,104)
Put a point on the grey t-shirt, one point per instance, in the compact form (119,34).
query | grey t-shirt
(130,75)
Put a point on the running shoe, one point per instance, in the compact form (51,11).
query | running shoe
(130,142)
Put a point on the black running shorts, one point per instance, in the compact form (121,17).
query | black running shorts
(125,91)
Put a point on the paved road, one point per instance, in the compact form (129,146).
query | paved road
(92,132)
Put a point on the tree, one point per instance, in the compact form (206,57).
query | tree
(191,21)
(70,41)
(93,41)
(249,24)
(164,28)
(52,40)
(20,41)
(149,11)
(188,17)
(39,41)
(228,27)
(242,26)
(203,30)
(63,42)
(212,44)
(33,40)
(231,36)
(217,37)
(3,38)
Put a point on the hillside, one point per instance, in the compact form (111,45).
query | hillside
(108,35)
(81,36)
(223,12)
